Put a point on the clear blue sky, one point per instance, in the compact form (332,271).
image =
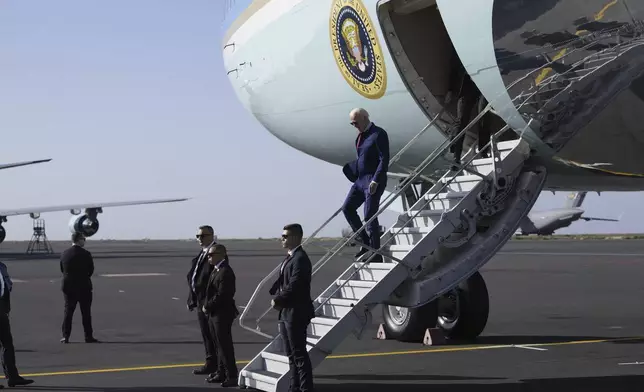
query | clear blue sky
(131,101)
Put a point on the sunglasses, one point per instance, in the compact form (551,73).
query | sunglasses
(202,235)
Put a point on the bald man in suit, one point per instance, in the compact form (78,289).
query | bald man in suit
(368,173)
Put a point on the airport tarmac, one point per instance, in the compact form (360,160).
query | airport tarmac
(565,315)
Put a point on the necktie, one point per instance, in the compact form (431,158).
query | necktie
(197,265)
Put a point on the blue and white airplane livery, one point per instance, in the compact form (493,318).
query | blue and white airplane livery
(561,87)
(296,62)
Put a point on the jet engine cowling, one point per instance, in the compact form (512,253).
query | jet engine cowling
(84,224)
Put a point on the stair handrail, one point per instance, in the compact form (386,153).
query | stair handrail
(412,176)
(431,158)
(412,217)
(262,283)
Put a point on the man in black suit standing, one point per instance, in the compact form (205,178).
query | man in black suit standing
(221,310)
(77,267)
(368,173)
(292,299)
(6,338)
(197,281)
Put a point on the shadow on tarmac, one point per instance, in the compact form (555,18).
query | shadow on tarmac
(586,384)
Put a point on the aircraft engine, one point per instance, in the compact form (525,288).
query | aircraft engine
(83,224)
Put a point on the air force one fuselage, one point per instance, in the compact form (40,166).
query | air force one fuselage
(564,77)
(300,66)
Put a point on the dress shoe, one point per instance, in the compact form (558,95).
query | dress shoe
(361,252)
(202,370)
(214,377)
(64,340)
(92,340)
(12,382)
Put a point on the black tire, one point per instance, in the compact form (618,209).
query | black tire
(470,309)
(3,234)
(411,327)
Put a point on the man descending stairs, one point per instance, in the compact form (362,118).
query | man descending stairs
(445,220)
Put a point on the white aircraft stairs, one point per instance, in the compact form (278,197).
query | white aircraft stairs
(441,241)
(444,238)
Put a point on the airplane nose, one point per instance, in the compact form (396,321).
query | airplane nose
(281,62)
(278,61)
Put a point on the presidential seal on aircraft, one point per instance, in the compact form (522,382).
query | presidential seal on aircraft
(356,48)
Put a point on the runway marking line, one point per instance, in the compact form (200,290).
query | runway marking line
(340,356)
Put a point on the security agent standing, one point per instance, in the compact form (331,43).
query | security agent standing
(6,338)
(369,176)
(293,301)
(221,310)
(197,281)
(77,267)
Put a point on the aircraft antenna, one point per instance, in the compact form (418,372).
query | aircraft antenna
(39,242)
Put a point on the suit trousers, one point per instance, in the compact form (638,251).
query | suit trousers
(8,351)
(464,107)
(208,340)
(221,329)
(84,299)
(294,337)
(359,194)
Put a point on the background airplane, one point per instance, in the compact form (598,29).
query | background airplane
(86,223)
(548,221)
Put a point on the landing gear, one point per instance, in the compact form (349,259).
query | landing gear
(461,313)
(409,324)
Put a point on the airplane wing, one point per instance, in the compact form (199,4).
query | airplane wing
(35,210)
(25,163)
(586,218)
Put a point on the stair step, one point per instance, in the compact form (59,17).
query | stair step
(354,289)
(409,230)
(260,379)
(335,308)
(442,201)
(275,363)
(507,145)
(372,272)
(409,235)
(399,251)
(382,266)
(319,326)
(462,183)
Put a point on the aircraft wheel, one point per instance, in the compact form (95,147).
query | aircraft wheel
(463,312)
(409,324)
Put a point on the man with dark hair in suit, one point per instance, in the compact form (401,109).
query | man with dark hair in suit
(368,173)
(197,281)
(77,267)
(292,291)
(6,338)
(221,310)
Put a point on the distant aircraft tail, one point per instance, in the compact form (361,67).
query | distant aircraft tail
(575,199)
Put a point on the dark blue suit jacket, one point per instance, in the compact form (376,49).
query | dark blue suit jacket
(372,163)
(293,288)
